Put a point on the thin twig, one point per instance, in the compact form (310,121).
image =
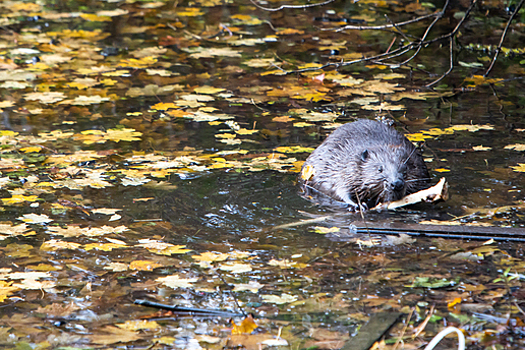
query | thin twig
(397,29)
(391,44)
(384,26)
(456,29)
(403,331)
(451,64)
(361,213)
(438,17)
(271,25)
(290,6)
(503,35)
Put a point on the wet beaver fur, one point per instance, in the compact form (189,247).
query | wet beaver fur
(368,159)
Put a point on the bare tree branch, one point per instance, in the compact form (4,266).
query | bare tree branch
(384,26)
(416,44)
(290,6)
(498,50)
(451,53)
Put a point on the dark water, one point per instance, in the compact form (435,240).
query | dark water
(236,210)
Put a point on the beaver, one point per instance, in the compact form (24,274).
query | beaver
(364,163)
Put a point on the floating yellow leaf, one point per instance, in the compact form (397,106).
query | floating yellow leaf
(236,268)
(94,18)
(143,265)
(45,97)
(302,124)
(35,219)
(243,131)
(294,149)
(190,12)
(206,52)
(162,248)
(470,127)
(31,149)
(307,172)
(286,264)
(16,230)
(211,257)
(175,281)
(138,324)
(18,198)
(116,267)
(247,326)
(482,148)
(519,168)
(516,147)
(112,335)
(283,299)
(56,244)
(208,90)
(325,230)
(107,247)
(6,290)
(252,286)
(145,62)
(247,19)
(84,100)
(289,31)
(283,119)
(418,137)
(8,133)
(96,34)
(165,340)
(259,62)
(477,80)
(314,96)
(225,136)
(442,170)
(105,211)
(274,72)
(164,106)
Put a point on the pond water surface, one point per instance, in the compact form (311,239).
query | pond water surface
(150,150)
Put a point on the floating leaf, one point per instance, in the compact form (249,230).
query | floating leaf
(138,325)
(247,326)
(35,219)
(252,286)
(283,299)
(162,248)
(112,335)
(175,281)
(236,268)
(516,147)
(55,244)
(143,265)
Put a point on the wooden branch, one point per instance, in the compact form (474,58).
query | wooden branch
(503,35)
(187,310)
(451,41)
(290,6)
(381,27)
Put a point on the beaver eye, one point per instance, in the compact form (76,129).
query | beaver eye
(380,169)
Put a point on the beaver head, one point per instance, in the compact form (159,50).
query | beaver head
(384,175)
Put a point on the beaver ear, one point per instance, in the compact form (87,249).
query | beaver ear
(364,155)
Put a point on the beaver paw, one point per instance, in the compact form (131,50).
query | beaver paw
(357,208)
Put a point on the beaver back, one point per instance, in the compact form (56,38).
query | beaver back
(368,160)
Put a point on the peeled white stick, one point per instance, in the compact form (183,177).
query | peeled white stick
(443,334)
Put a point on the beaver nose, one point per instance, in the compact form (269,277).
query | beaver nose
(398,185)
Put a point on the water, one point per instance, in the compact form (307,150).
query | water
(205,174)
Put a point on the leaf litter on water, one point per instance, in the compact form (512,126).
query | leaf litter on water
(75,84)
